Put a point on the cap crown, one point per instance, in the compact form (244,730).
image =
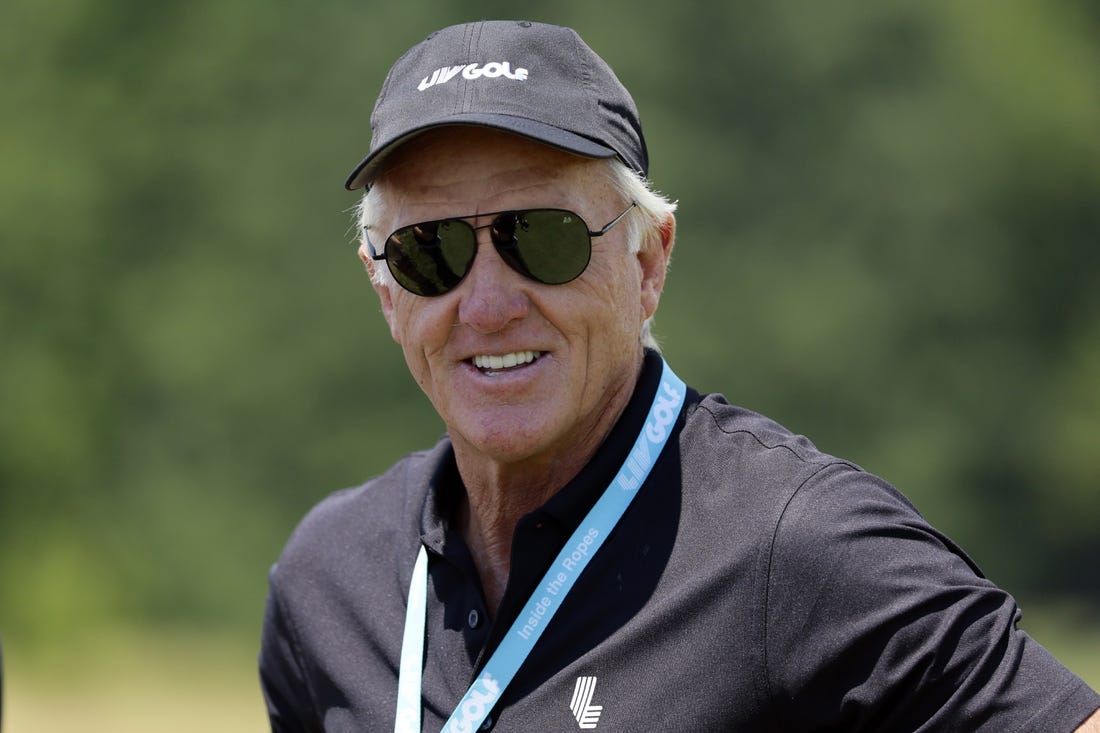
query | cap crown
(533,79)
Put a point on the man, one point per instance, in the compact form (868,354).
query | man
(594,545)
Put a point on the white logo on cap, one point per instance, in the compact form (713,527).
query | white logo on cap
(491,70)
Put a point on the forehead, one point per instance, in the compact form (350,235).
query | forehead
(483,167)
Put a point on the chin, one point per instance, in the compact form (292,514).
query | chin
(512,436)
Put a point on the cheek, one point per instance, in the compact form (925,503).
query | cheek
(623,294)
(419,325)
(396,319)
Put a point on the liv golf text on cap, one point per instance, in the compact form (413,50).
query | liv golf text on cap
(536,80)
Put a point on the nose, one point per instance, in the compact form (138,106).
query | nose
(492,293)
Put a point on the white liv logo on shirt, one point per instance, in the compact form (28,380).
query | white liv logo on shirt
(587,714)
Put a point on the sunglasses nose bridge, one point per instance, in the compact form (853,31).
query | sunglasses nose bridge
(491,240)
(483,231)
(488,263)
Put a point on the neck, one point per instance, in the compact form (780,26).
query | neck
(488,520)
(499,494)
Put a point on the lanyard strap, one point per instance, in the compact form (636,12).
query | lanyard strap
(502,666)
(412,649)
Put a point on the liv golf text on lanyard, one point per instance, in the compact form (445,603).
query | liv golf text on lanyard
(552,590)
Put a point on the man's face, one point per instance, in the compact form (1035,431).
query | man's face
(584,334)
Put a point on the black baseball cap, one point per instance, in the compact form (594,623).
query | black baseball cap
(532,79)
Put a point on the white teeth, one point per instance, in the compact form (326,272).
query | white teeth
(505,361)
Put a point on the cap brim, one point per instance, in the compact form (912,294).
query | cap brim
(538,131)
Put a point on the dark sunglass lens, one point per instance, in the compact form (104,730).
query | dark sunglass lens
(431,258)
(548,245)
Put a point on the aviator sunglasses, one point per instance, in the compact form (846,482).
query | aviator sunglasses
(550,246)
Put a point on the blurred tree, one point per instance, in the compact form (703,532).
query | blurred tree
(888,240)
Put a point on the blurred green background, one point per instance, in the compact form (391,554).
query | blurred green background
(889,240)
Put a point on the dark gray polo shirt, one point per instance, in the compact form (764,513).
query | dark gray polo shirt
(755,584)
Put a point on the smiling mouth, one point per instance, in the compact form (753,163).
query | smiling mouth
(496,364)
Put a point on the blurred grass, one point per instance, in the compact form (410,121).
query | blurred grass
(174,682)
(1070,630)
(135,681)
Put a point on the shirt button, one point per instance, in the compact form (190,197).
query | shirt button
(487,723)
(474,619)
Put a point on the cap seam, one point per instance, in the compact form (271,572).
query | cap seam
(586,70)
(473,43)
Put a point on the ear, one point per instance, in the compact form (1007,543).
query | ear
(382,286)
(654,256)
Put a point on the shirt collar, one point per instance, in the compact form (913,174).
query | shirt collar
(573,501)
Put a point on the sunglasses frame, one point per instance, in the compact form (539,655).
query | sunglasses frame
(380,256)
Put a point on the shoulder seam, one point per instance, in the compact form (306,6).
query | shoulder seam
(826,460)
(822,467)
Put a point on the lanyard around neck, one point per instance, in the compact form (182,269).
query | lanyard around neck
(514,648)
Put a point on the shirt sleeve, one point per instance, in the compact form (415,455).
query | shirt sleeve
(875,621)
(285,690)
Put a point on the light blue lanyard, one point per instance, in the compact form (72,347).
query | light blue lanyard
(552,590)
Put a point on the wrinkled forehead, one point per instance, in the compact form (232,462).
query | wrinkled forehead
(481,161)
